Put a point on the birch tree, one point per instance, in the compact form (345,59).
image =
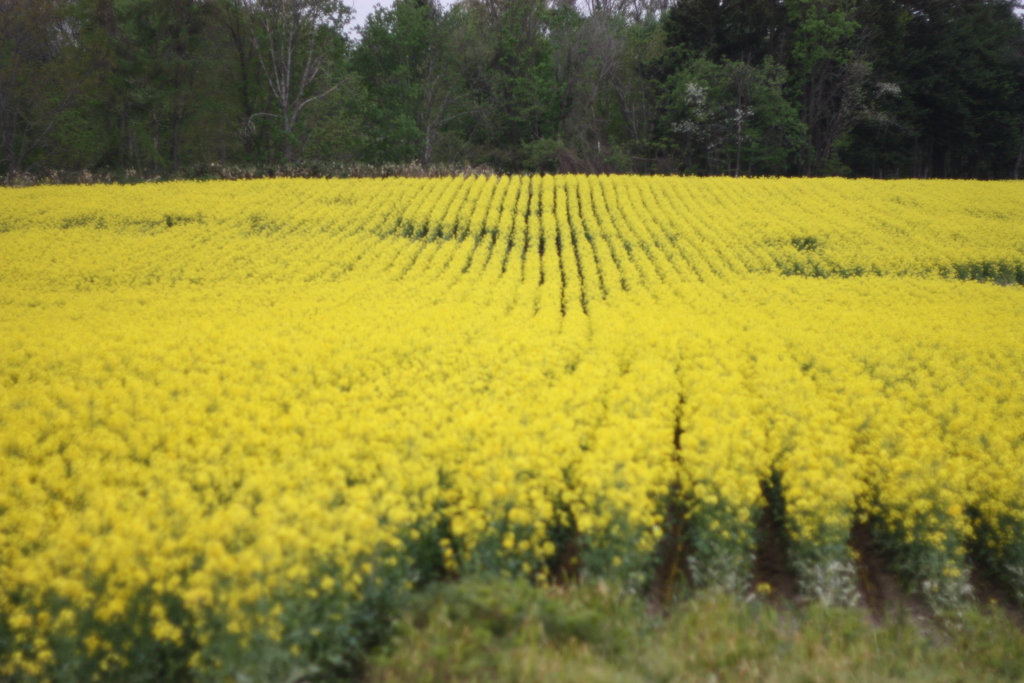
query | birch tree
(294,42)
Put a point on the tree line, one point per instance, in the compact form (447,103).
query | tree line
(880,88)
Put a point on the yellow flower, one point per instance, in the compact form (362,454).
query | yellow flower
(298,378)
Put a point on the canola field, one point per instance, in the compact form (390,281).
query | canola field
(236,416)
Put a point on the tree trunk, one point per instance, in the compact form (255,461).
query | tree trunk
(155,132)
(739,125)
(428,144)
(175,139)
(1020,157)
(288,126)
(739,149)
(8,130)
(293,46)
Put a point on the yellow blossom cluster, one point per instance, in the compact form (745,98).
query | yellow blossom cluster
(219,398)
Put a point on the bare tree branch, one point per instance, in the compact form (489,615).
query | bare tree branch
(293,42)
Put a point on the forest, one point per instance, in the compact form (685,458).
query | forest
(865,88)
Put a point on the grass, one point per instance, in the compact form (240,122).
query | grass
(493,631)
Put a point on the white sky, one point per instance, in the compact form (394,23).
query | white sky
(363,8)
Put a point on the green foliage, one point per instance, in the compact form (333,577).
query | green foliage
(886,88)
(513,74)
(390,59)
(957,66)
(939,574)
(509,630)
(325,635)
(822,32)
(731,117)
(542,155)
(333,127)
(506,631)
(131,654)
(408,58)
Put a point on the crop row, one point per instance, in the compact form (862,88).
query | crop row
(236,417)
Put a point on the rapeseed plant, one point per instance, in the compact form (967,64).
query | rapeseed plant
(240,417)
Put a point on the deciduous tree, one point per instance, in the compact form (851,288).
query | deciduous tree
(295,41)
(39,80)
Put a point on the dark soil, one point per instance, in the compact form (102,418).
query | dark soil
(771,560)
(990,591)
